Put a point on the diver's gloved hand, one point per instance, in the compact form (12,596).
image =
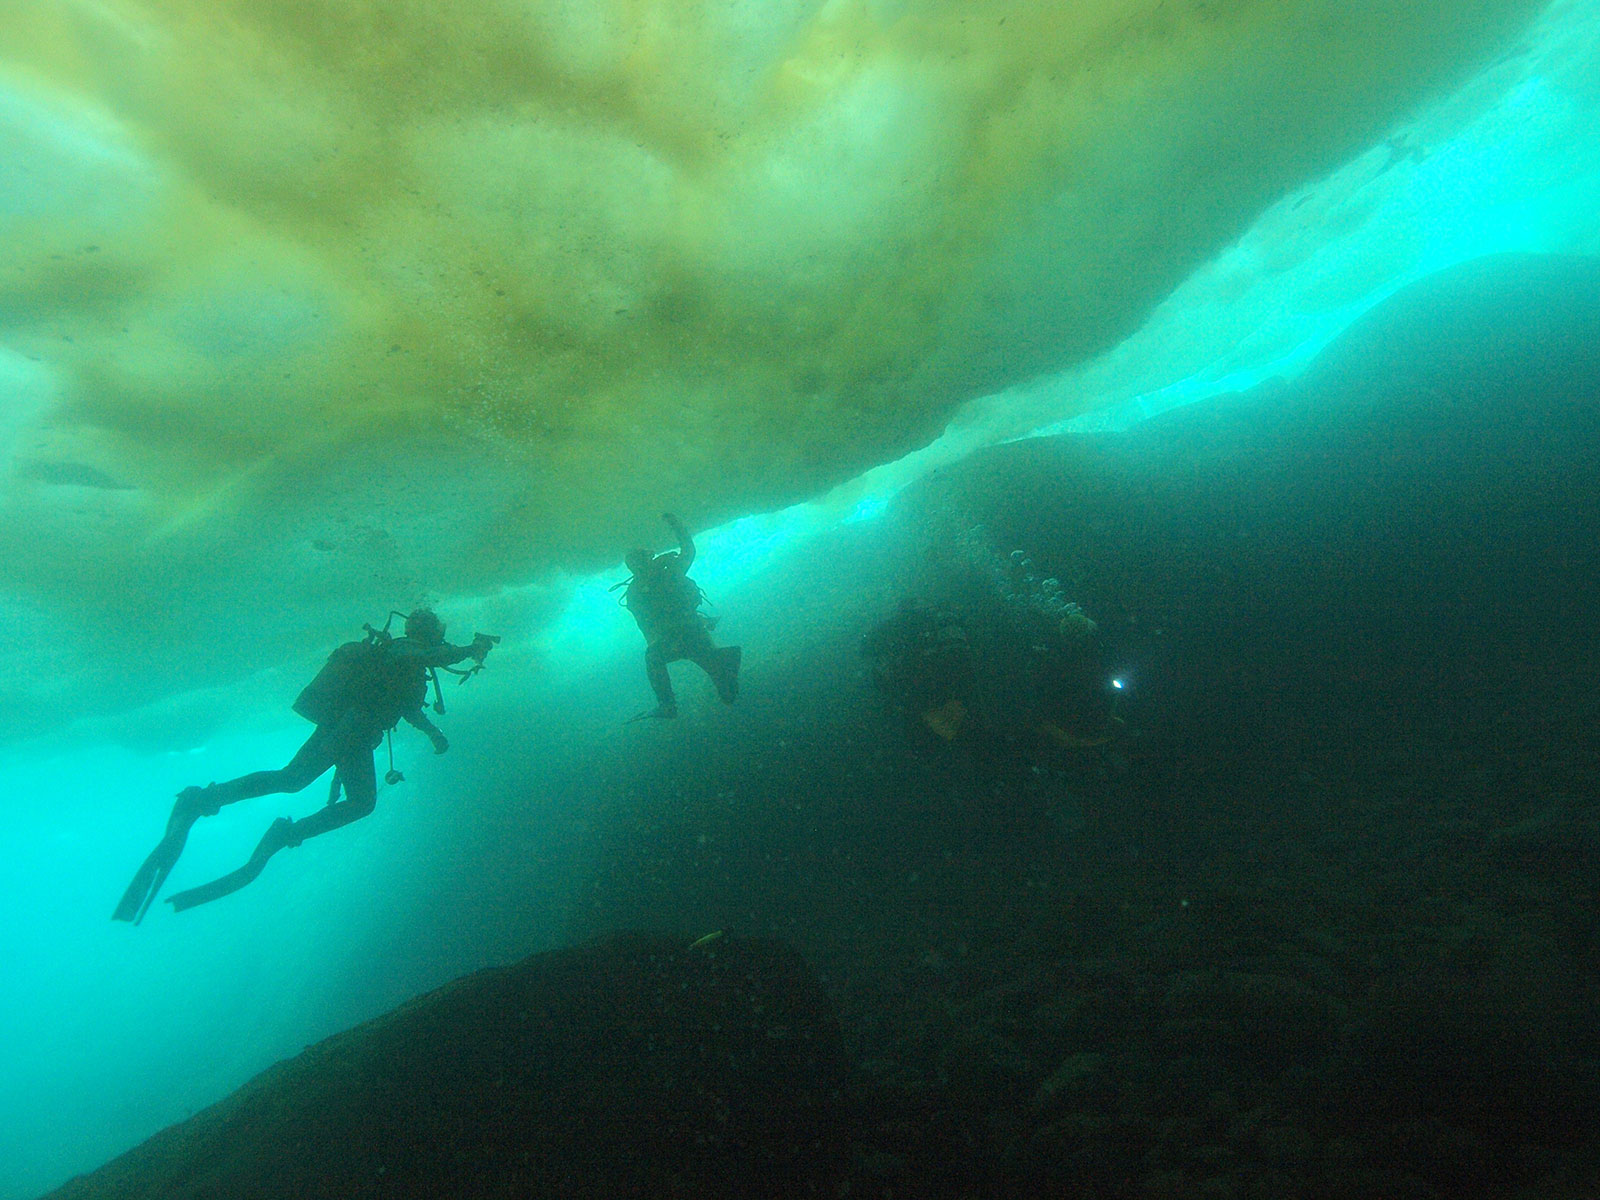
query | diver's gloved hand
(440,742)
(482,643)
(673,523)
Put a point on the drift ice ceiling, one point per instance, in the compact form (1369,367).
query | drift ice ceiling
(317,306)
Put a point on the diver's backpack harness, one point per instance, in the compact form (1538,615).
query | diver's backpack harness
(363,674)
(691,596)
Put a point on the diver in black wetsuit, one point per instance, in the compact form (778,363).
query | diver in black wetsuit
(923,661)
(665,603)
(365,689)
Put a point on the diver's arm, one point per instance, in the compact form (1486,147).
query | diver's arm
(418,720)
(442,654)
(685,542)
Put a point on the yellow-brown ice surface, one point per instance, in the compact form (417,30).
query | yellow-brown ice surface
(377,299)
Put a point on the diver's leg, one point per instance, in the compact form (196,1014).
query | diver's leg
(360,781)
(354,748)
(310,761)
(721,663)
(656,657)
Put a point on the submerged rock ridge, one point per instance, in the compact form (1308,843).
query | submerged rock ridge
(636,1066)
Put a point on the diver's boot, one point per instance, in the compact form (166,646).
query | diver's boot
(280,834)
(727,676)
(192,804)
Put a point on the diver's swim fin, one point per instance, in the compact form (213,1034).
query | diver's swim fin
(727,676)
(947,719)
(147,881)
(279,834)
(663,712)
(1072,740)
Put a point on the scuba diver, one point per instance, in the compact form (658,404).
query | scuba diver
(363,691)
(1063,690)
(1012,684)
(666,604)
(923,660)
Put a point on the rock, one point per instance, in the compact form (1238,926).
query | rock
(632,1067)
(1276,1020)
(1077,1072)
